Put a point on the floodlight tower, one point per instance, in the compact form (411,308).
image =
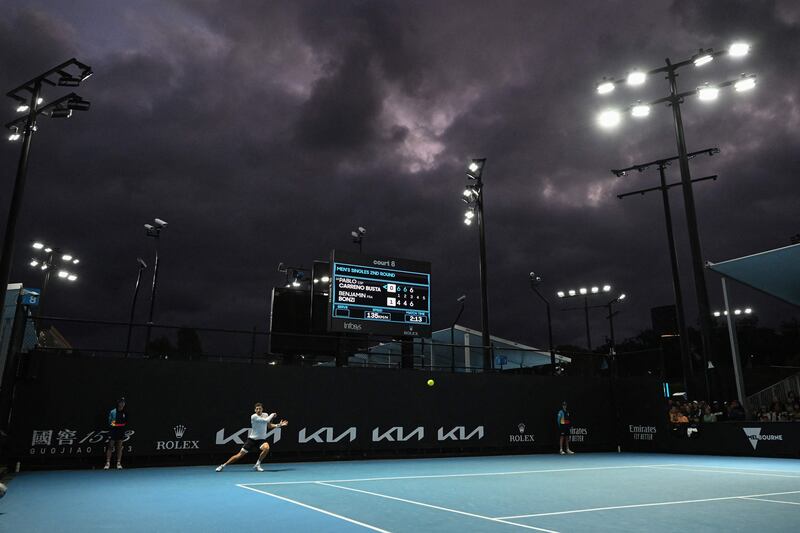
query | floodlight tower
(153,230)
(358,236)
(29,100)
(706,92)
(473,197)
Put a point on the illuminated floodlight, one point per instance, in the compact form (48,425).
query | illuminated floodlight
(469,214)
(582,290)
(595,290)
(606,288)
(66,257)
(14,135)
(38,245)
(468,192)
(44,266)
(707,93)
(572,292)
(39,101)
(34,263)
(605,87)
(702,59)
(636,77)
(325,279)
(739,49)
(467,221)
(473,167)
(622,296)
(745,84)
(48,250)
(316,280)
(717,313)
(63,273)
(748,310)
(22,108)
(640,110)
(560,294)
(72,277)
(76,261)
(609,118)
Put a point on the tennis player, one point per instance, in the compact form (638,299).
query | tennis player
(260,422)
(564,425)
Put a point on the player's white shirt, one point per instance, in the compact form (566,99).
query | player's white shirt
(258,426)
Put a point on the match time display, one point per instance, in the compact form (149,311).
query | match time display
(380,295)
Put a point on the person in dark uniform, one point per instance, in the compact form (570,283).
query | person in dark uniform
(564,425)
(117,421)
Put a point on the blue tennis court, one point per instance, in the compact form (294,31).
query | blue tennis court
(584,492)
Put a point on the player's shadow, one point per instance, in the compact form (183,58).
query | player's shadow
(278,469)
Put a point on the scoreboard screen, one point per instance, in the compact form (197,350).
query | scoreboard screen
(380,295)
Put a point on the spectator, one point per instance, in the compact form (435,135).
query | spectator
(735,411)
(708,416)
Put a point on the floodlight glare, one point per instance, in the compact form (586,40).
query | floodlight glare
(76,261)
(622,296)
(34,263)
(636,77)
(66,257)
(605,87)
(44,266)
(606,288)
(316,280)
(745,84)
(595,290)
(583,290)
(325,279)
(38,245)
(737,311)
(467,221)
(473,167)
(572,292)
(717,313)
(748,310)
(707,93)
(560,294)
(739,49)
(703,59)
(72,277)
(469,214)
(14,136)
(22,108)
(354,234)
(609,118)
(48,250)
(63,273)
(640,110)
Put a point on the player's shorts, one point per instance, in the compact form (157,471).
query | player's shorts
(116,433)
(251,445)
(563,430)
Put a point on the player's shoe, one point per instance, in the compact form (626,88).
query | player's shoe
(119,466)
(108,465)
(258,468)
(562,452)
(220,467)
(570,452)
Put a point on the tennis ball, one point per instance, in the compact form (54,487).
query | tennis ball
(430,383)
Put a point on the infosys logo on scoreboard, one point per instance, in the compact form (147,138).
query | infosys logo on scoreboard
(383,262)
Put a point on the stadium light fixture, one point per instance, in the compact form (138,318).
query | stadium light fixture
(707,92)
(609,118)
(739,49)
(605,87)
(636,77)
(640,110)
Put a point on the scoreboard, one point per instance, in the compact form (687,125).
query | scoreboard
(379,295)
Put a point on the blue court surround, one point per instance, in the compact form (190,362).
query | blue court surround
(584,492)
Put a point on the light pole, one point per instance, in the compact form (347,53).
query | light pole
(585,292)
(706,92)
(142,267)
(461,299)
(358,236)
(730,316)
(661,164)
(49,263)
(28,97)
(535,281)
(611,314)
(154,231)
(473,197)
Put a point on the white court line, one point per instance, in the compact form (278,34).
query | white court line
(500,520)
(656,504)
(436,476)
(771,470)
(323,511)
(773,501)
(720,471)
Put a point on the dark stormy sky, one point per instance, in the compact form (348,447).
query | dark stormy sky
(265,132)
